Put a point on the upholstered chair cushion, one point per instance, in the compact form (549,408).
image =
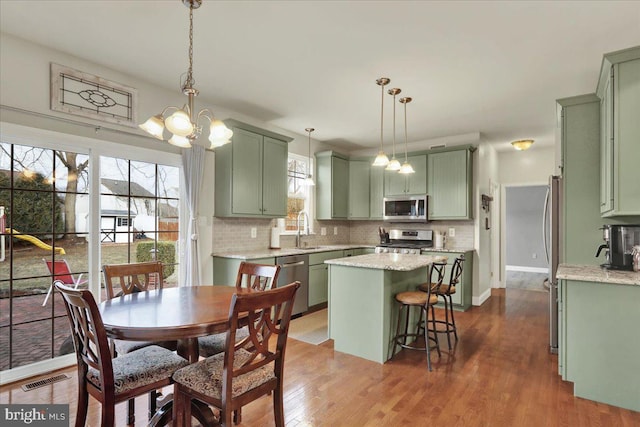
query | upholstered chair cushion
(415,298)
(140,367)
(205,376)
(214,344)
(124,346)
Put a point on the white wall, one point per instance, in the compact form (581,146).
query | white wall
(486,172)
(533,166)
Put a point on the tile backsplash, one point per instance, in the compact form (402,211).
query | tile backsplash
(235,233)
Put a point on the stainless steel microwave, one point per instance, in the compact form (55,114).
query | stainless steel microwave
(405,208)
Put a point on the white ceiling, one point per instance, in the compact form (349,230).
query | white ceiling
(491,67)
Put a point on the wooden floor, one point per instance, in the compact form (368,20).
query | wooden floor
(500,374)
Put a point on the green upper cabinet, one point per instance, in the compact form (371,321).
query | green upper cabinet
(332,189)
(450,185)
(619,93)
(376,192)
(579,140)
(251,173)
(396,184)
(359,189)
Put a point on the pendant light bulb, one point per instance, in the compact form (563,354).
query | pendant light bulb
(309,179)
(406,167)
(382,159)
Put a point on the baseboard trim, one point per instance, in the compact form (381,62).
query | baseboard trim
(37,368)
(526,269)
(482,298)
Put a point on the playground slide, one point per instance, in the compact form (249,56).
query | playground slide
(31,239)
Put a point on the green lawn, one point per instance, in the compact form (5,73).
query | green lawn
(30,273)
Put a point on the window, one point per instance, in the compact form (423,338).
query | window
(299,194)
(48,210)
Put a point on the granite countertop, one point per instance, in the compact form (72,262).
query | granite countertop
(268,253)
(595,273)
(395,262)
(455,250)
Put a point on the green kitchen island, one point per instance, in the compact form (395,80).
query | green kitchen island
(362,308)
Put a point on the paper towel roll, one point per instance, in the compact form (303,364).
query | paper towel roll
(275,238)
(439,243)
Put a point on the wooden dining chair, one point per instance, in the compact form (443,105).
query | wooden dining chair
(247,369)
(257,277)
(111,380)
(125,279)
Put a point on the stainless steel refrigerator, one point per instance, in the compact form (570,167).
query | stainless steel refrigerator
(552,235)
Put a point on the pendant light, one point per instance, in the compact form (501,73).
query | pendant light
(406,167)
(394,164)
(309,179)
(381,158)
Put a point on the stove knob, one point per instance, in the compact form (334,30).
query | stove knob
(405,251)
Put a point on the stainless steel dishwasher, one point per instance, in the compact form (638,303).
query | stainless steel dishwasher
(295,268)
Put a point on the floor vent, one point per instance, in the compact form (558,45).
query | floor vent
(41,383)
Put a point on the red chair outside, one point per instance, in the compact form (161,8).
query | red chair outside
(61,273)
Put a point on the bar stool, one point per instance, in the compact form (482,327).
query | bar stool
(424,301)
(445,291)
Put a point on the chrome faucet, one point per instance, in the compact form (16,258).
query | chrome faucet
(298,236)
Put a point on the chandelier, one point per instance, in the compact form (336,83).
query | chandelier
(183,123)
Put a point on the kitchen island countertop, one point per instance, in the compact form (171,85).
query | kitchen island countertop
(392,262)
(595,273)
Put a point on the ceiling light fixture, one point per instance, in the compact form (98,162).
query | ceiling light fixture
(309,179)
(381,158)
(406,168)
(522,144)
(394,164)
(182,123)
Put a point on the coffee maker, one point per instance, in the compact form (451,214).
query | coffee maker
(620,240)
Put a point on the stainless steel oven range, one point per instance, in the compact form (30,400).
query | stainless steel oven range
(406,242)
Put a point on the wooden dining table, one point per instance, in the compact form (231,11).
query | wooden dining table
(182,314)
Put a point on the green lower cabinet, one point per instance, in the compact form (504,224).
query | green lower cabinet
(318,284)
(599,341)
(462,298)
(225,270)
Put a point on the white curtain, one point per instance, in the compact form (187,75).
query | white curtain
(193,166)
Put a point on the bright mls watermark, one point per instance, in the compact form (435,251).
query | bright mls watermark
(34,415)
